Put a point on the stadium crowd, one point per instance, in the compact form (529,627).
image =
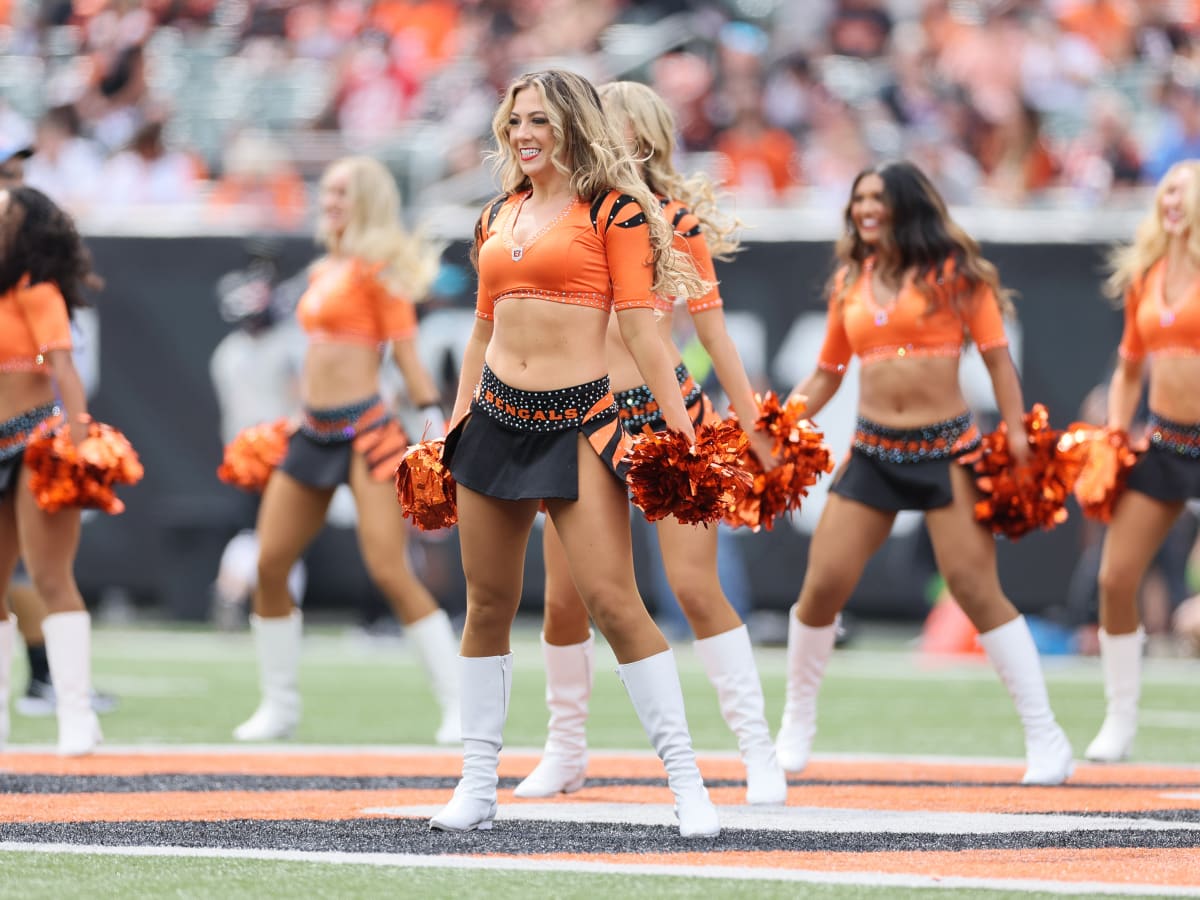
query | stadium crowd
(225,111)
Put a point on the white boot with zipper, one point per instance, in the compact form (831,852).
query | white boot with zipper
(1014,655)
(69,652)
(1121,656)
(563,766)
(728,660)
(486,687)
(653,686)
(438,648)
(808,653)
(277,641)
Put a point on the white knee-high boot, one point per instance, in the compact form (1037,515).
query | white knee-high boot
(486,687)
(808,653)
(1121,655)
(8,629)
(563,766)
(438,649)
(728,659)
(69,652)
(653,686)
(1012,652)
(277,641)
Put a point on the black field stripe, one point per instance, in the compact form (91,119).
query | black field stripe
(522,838)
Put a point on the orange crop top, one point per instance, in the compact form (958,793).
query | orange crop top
(595,255)
(689,239)
(905,327)
(349,304)
(33,321)
(1152,327)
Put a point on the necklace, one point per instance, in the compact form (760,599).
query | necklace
(880,312)
(518,252)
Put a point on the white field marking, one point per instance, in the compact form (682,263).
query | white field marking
(810,818)
(330,648)
(1167,718)
(156,686)
(1183,796)
(519,864)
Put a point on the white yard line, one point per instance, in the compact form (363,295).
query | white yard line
(476,863)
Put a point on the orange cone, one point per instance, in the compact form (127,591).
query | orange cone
(948,631)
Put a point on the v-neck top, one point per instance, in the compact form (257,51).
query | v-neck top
(595,255)
(906,327)
(1151,327)
(33,321)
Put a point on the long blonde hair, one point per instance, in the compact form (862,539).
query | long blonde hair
(1128,263)
(374,232)
(589,152)
(635,108)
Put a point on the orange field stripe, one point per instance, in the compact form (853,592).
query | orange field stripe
(1166,868)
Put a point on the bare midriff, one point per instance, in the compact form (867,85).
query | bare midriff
(23,391)
(540,346)
(1175,387)
(338,374)
(909,393)
(622,369)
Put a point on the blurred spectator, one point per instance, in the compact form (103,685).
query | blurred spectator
(67,165)
(12,162)
(1179,138)
(1108,25)
(149,174)
(259,188)
(684,81)
(836,150)
(1105,155)
(760,162)
(1017,159)
(787,94)
(860,28)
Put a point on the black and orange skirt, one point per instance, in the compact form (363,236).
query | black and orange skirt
(524,445)
(894,469)
(639,409)
(14,436)
(319,453)
(1169,470)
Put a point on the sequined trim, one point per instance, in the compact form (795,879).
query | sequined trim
(637,406)
(15,432)
(350,337)
(573,298)
(904,351)
(341,424)
(542,411)
(1176,350)
(941,440)
(1180,439)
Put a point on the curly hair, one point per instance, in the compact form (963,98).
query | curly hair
(375,233)
(39,240)
(594,158)
(1128,263)
(922,238)
(637,111)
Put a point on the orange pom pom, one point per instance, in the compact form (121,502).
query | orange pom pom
(1018,500)
(65,475)
(1107,455)
(253,454)
(425,488)
(696,485)
(803,457)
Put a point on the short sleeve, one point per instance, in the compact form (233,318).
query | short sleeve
(1132,347)
(45,311)
(627,248)
(484,306)
(836,351)
(984,321)
(397,314)
(689,239)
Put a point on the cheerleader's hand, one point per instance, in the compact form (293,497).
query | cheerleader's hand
(763,448)
(1018,449)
